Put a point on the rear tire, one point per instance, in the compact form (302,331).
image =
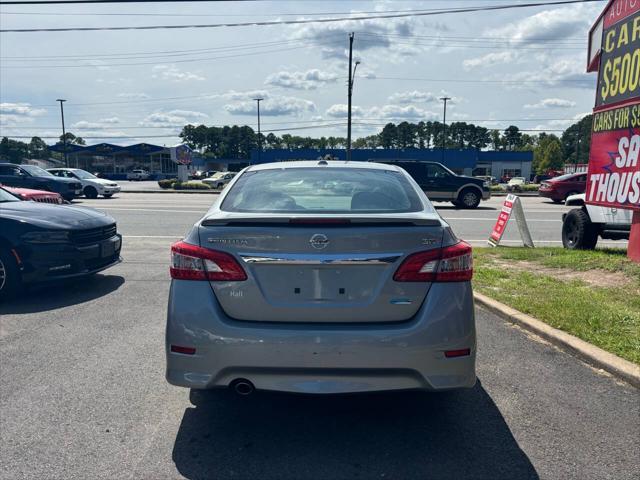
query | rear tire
(90,192)
(9,274)
(578,232)
(469,198)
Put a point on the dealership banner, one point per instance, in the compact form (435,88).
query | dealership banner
(614,169)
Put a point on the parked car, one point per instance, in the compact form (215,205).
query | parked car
(31,176)
(442,185)
(92,186)
(44,243)
(314,293)
(220,179)
(27,194)
(581,227)
(488,178)
(138,174)
(515,184)
(559,188)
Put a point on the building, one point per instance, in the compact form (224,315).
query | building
(465,162)
(114,161)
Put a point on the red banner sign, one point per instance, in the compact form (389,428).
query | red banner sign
(614,169)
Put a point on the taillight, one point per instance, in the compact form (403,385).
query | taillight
(190,262)
(449,264)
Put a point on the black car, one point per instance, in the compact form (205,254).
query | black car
(31,176)
(442,185)
(41,242)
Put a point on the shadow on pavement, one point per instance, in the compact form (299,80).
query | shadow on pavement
(401,435)
(46,297)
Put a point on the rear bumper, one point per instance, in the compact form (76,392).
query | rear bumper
(552,194)
(322,358)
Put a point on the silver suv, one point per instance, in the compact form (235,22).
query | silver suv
(321,277)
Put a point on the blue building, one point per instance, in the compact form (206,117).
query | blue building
(465,162)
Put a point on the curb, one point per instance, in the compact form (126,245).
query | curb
(618,367)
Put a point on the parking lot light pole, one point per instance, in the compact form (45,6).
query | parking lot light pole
(258,100)
(444,123)
(64,134)
(352,76)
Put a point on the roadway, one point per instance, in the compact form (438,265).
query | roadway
(82,393)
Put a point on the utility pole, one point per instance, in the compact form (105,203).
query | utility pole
(64,134)
(444,124)
(258,100)
(352,75)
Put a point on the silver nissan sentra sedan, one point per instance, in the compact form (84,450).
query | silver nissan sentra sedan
(321,277)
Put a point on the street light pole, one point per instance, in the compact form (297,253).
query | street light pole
(444,123)
(352,75)
(64,134)
(258,100)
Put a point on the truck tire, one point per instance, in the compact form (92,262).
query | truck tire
(9,274)
(578,232)
(469,198)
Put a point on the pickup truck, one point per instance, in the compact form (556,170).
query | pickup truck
(442,185)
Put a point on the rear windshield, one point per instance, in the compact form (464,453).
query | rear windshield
(327,190)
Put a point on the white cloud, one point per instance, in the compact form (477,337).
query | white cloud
(490,59)
(560,124)
(403,112)
(414,96)
(173,118)
(552,103)
(173,73)
(134,96)
(333,38)
(99,124)
(340,110)
(309,80)
(246,95)
(21,109)
(272,106)
(566,72)
(548,25)
(15,113)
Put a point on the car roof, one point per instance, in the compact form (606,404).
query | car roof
(321,164)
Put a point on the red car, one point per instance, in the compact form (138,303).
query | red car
(35,195)
(559,188)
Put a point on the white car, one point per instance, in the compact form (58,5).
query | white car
(92,186)
(219,179)
(582,226)
(138,174)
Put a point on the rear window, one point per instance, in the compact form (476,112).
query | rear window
(326,190)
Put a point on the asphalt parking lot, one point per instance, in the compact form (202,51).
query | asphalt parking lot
(82,392)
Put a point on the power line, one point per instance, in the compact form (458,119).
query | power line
(188,60)
(457,80)
(284,22)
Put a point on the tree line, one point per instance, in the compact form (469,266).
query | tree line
(550,151)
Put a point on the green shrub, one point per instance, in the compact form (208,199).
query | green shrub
(190,186)
(167,183)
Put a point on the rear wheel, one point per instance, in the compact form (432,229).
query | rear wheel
(578,233)
(9,274)
(90,192)
(469,198)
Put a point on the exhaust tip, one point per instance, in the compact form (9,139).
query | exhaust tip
(242,387)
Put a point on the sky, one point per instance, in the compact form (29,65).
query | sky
(523,67)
